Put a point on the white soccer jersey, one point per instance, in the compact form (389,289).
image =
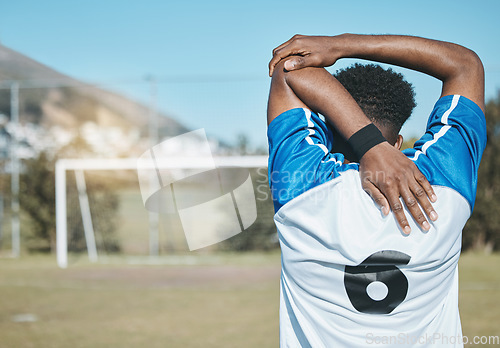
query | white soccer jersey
(350,277)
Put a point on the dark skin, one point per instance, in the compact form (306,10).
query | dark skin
(299,80)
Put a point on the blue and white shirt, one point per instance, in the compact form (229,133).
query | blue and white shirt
(349,276)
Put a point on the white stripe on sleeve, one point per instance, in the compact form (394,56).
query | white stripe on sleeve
(442,131)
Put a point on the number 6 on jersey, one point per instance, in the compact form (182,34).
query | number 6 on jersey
(378,271)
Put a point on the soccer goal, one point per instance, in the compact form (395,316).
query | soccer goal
(98,195)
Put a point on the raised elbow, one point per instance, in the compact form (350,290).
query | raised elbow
(472,63)
(466,77)
(467,65)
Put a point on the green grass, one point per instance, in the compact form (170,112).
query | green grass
(224,300)
(479,295)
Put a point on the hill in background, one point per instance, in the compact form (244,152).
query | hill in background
(53,101)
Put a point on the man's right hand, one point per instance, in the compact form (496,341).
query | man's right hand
(305,51)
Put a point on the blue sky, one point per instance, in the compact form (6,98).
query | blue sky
(210,57)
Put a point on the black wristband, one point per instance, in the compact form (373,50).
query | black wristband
(364,139)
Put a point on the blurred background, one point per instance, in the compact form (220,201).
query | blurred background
(106,80)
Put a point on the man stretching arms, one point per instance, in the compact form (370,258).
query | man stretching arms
(350,275)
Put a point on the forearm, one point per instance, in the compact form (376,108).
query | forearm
(318,90)
(459,68)
(436,58)
(322,93)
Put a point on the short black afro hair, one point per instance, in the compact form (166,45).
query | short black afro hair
(384,95)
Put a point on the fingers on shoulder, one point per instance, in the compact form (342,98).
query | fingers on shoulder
(424,184)
(377,196)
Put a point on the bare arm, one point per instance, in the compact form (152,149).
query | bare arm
(459,68)
(318,90)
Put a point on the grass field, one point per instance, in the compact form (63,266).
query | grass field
(219,300)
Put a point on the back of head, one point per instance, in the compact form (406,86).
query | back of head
(385,97)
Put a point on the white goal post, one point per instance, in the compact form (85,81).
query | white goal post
(80,165)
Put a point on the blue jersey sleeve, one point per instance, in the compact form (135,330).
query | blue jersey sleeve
(449,152)
(299,155)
